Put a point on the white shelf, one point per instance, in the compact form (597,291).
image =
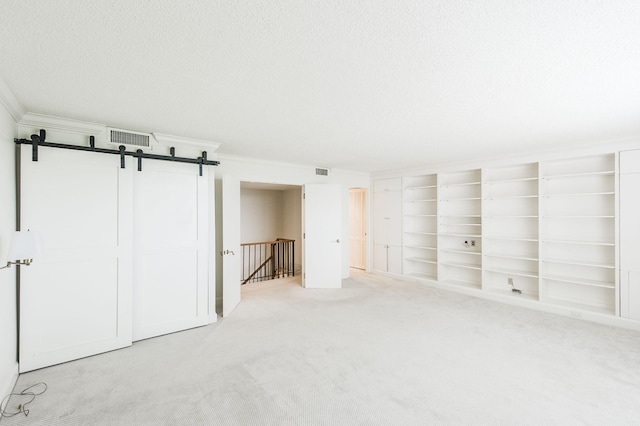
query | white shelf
(449,185)
(446,250)
(463,201)
(411,188)
(581,281)
(507,292)
(576,194)
(568,303)
(420,218)
(513,272)
(572,236)
(576,242)
(468,284)
(512,256)
(461,265)
(421,260)
(576,217)
(510,197)
(512,237)
(580,263)
(504,216)
(571,175)
(523,179)
(422,275)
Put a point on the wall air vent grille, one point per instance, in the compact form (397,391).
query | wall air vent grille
(322,172)
(123,137)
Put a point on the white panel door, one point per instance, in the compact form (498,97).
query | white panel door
(357,228)
(322,228)
(76,300)
(171,248)
(380,260)
(629,249)
(230,244)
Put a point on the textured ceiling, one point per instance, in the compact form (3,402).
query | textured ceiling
(362,85)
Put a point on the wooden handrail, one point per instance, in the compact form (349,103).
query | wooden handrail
(280,240)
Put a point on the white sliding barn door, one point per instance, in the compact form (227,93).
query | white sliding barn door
(76,300)
(322,230)
(230,244)
(171,248)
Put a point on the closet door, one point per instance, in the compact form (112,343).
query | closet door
(170,265)
(75,301)
(629,234)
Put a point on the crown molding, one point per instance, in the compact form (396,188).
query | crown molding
(170,140)
(48,122)
(10,101)
(262,161)
(560,152)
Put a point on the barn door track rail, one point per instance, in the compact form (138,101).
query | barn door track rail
(40,140)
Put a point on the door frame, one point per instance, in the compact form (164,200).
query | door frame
(220,225)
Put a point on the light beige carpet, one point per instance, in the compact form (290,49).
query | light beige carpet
(377,352)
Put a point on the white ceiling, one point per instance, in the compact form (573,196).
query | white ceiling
(361,85)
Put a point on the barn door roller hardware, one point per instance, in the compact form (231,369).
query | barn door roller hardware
(40,140)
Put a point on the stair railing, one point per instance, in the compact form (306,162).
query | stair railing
(267,260)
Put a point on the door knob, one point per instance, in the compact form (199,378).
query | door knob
(338,240)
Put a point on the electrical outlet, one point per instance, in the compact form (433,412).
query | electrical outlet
(473,243)
(510,281)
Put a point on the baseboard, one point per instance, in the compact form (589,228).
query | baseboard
(9,382)
(569,312)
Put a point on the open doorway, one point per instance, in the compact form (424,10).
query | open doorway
(319,218)
(270,231)
(357,228)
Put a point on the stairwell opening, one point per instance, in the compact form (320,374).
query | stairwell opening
(270,231)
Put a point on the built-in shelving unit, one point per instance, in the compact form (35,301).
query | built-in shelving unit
(539,231)
(420,242)
(460,228)
(578,238)
(510,225)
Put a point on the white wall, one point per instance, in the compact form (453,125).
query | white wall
(260,215)
(8,296)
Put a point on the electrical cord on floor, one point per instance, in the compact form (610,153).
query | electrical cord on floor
(22,407)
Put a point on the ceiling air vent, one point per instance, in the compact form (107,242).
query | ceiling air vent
(322,172)
(128,138)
